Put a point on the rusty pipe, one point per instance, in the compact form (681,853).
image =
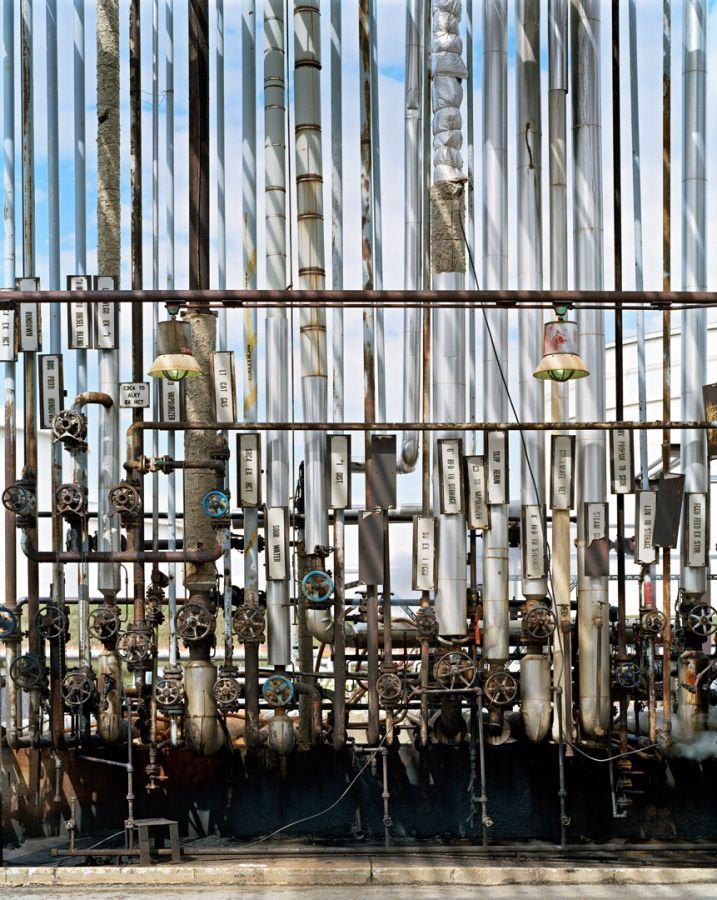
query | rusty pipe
(101,556)
(314,693)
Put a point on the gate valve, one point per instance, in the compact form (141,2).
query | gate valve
(70,501)
(9,623)
(125,499)
(455,670)
(19,499)
(70,427)
(27,672)
(426,624)
(248,622)
(501,688)
(104,623)
(653,622)
(539,623)
(51,622)
(390,689)
(628,675)
(278,691)
(194,622)
(702,620)
(216,504)
(317,586)
(78,687)
(227,689)
(134,646)
(169,693)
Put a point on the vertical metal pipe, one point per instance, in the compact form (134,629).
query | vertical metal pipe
(376,209)
(495,275)
(471,227)
(589,392)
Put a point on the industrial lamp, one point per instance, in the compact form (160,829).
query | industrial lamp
(174,360)
(560,361)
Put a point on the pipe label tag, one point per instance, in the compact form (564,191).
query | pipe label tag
(497,466)
(696,530)
(7,336)
(79,315)
(339,471)
(29,322)
(533,540)
(477,510)
(249,469)
(622,469)
(134,394)
(276,535)
(424,553)
(645,549)
(52,394)
(371,546)
(450,475)
(562,482)
(597,543)
(106,315)
(224,384)
(171,396)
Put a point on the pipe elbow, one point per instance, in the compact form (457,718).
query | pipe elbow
(409,453)
(320,623)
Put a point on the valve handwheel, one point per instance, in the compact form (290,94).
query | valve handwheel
(317,586)
(194,622)
(215,504)
(104,623)
(226,691)
(455,670)
(628,675)
(134,646)
(51,621)
(248,623)
(501,688)
(8,622)
(390,688)
(702,620)
(17,499)
(27,672)
(653,622)
(77,687)
(278,690)
(168,692)
(539,623)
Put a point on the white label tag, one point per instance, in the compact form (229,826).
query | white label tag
(696,530)
(7,335)
(561,493)
(134,394)
(645,550)
(29,316)
(249,471)
(622,465)
(497,467)
(477,513)
(533,541)
(224,384)
(596,522)
(171,398)
(339,471)
(449,462)
(106,315)
(51,389)
(424,553)
(79,315)
(276,543)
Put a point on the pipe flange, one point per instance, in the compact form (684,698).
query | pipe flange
(51,622)
(628,675)
(194,622)
(248,622)
(104,623)
(278,691)
(9,623)
(71,501)
(501,688)
(426,624)
(454,669)
(78,687)
(70,427)
(169,694)
(27,672)
(125,499)
(134,647)
(653,622)
(19,499)
(539,623)
(317,587)
(216,504)
(227,690)
(390,689)
(702,620)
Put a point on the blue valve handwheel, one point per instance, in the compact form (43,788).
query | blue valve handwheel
(278,690)
(215,504)
(317,586)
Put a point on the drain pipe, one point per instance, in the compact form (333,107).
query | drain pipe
(495,275)
(593,607)
(448,261)
(534,668)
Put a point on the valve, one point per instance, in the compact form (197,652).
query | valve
(27,672)
(169,693)
(653,622)
(278,690)
(19,499)
(389,688)
(426,624)
(539,623)
(51,621)
(70,501)
(455,670)
(501,688)
(70,427)
(248,622)
(227,689)
(628,675)
(194,622)
(134,647)
(216,504)
(702,620)
(125,499)
(9,623)
(104,623)
(317,586)
(78,687)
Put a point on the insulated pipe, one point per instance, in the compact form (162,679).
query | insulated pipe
(376,211)
(593,623)
(277,331)
(693,455)
(530,260)
(413,231)
(495,275)
(312,272)
(448,268)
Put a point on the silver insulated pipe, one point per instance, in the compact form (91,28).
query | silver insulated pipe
(495,275)
(593,623)
(693,458)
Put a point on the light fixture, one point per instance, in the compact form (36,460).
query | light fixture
(560,361)
(174,360)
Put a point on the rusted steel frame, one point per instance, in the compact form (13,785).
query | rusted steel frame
(666,352)
(102,556)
